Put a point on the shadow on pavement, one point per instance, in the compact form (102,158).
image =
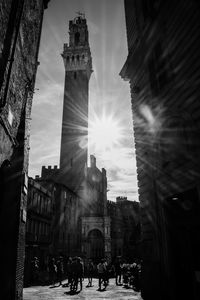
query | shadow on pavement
(101,290)
(72,293)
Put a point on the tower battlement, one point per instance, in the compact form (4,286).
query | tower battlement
(76,55)
(49,172)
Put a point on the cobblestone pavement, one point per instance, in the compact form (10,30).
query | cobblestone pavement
(91,293)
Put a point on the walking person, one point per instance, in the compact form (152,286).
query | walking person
(90,270)
(35,270)
(80,273)
(60,269)
(106,273)
(74,279)
(68,272)
(101,268)
(52,271)
(118,271)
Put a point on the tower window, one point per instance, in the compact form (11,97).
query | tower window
(67,58)
(72,57)
(74,75)
(83,56)
(77,38)
(77,57)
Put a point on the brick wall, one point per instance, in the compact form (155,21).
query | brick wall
(21,23)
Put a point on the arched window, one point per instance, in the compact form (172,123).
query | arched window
(77,38)
(67,58)
(72,57)
(77,57)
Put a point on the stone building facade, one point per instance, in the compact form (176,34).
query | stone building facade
(96,241)
(90,226)
(67,209)
(125,228)
(163,68)
(80,224)
(39,234)
(21,23)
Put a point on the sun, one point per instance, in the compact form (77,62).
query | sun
(104,133)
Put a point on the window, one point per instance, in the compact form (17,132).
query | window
(46,229)
(39,228)
(74,75)
(28,226)
(35,200)
(36,227)
(157,70)
(45,205)
(38,203)
(31,226)
(77,38)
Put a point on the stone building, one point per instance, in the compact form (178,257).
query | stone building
(130,215)
(80,224)
(39,234)
(163,68)
(125,228)
(90,226)
(96,241)
(21,23)
(65,226)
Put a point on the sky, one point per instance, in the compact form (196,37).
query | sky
(109,95)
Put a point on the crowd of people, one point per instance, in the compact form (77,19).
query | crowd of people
(75,270)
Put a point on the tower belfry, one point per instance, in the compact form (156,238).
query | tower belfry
(74,138)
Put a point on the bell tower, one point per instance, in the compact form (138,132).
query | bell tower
(74,139)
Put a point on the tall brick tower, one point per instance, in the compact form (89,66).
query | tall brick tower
(78,69)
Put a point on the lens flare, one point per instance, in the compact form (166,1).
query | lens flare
(104,133)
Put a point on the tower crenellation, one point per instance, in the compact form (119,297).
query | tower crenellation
(76,54)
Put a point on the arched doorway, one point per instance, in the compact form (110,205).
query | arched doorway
(96,244)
